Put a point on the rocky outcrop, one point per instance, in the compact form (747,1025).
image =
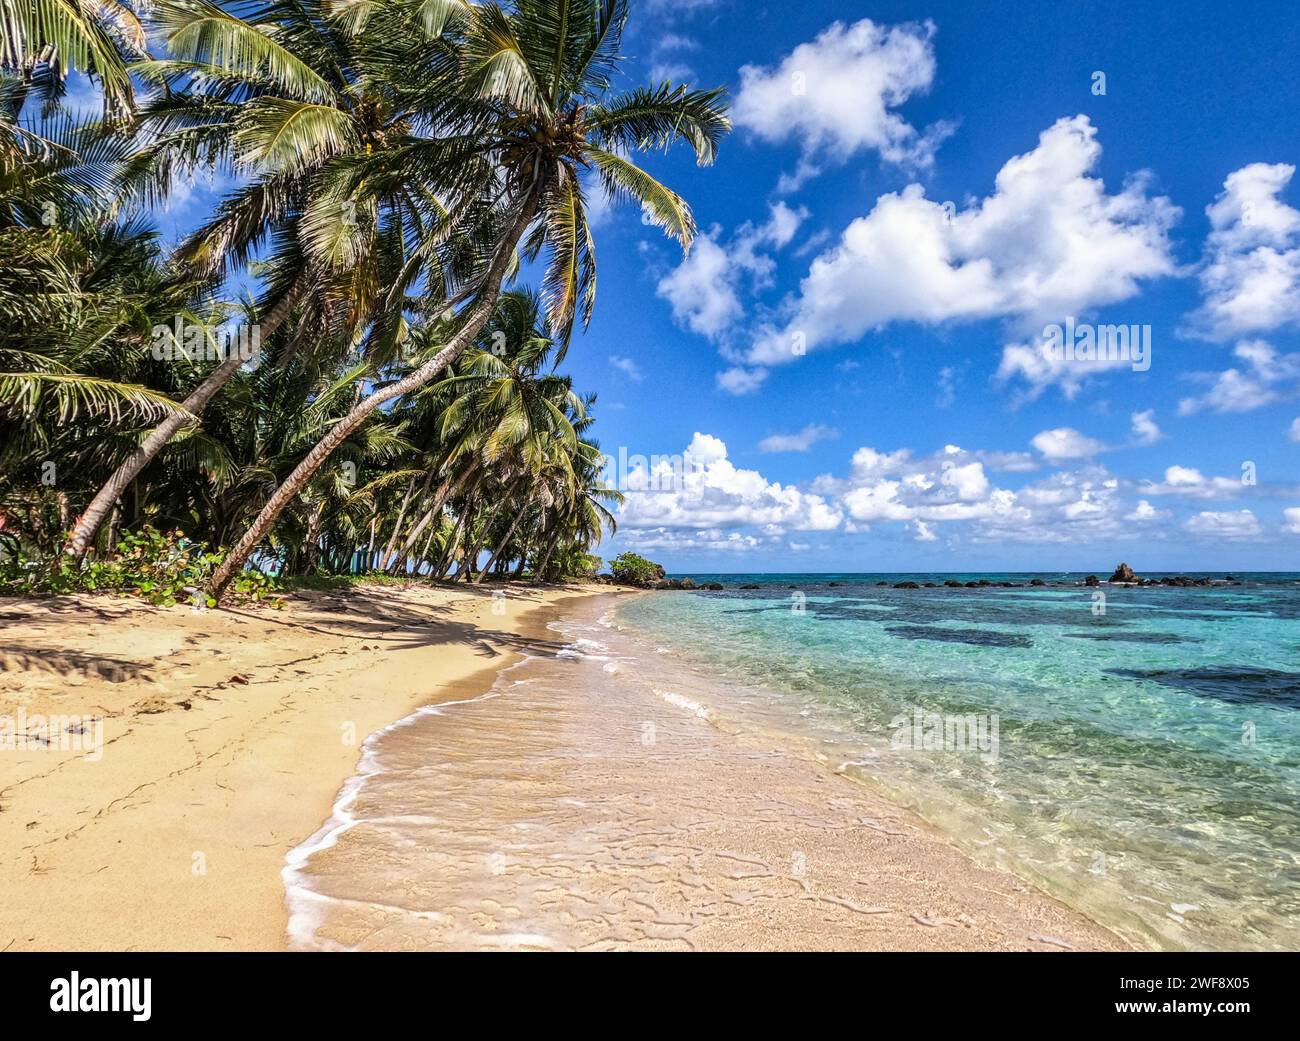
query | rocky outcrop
(1124,574)
(1092,580)
(906,585)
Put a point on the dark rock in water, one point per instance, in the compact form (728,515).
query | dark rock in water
(1205,581)
(983,582)
(1120,636)
(1037,582)
(953,583)
(712,585)
(832,584)
(750,586)
(882,583)
(1008,585)
(688,583)
(931,585)
(1092,580)
(975,637)
(1236,684)
(671,583)
(1231,578)
(906,585)
(1123,573)
(972,585)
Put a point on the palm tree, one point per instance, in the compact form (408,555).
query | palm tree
(346,186)
(60,36)
(534,94)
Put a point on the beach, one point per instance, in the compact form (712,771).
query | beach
(231,744)
(227,735)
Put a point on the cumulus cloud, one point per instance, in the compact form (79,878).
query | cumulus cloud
(1145,429)
(799,442)
(1049,243)
(922,532)
(704,288)
(1189,481)
(837,95)
(1265,376)
(894,486)
(711,505)
(1232,524)
(1250,281)
(1066,443)
(739,380)
(1144,511)
(704,490)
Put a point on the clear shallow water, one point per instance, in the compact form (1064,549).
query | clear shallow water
(1147,759)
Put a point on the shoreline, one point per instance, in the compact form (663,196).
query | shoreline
(227,736)
(201,771)
(533,816)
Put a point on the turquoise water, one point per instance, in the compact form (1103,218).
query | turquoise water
(1137,755)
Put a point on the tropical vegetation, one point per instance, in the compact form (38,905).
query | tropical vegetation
(342,368)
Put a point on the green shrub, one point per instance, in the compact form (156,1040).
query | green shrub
(635,570)
(164,568)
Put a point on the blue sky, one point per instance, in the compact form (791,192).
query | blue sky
(923,428)
(913,192)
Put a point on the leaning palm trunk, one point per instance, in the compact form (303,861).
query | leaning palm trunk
(445,565)
(476,546)
(540,574)
(510,533)
(387,558)
(423,558)
(88,524)
(444,490)
(477,317)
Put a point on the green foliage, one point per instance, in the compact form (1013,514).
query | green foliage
(635,570)
(163,568)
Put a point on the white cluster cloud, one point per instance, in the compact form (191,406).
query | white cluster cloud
(1250,281)
(704,490)
(837,95)
(1265,377)
(1048,244)
(711,505)
(703,289)
(1145,429)
(799,442)
(1066,443)
(1232,524)
(896,486)
(1190,482)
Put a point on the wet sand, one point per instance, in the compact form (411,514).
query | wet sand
(575,805)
